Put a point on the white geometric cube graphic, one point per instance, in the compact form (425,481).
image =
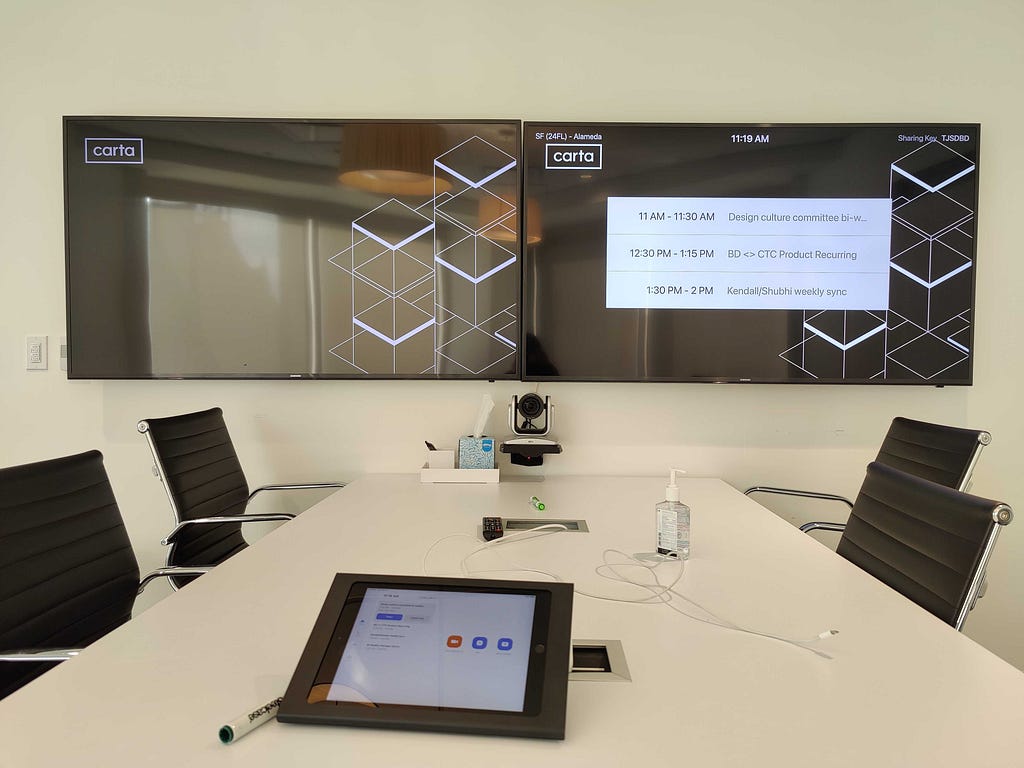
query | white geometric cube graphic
(925,330)
(471,267)
(442,274)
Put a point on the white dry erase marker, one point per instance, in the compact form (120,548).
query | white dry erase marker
(242,724)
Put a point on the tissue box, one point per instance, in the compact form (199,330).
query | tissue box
(476,453)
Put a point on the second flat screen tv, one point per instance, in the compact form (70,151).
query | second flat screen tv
(220,248)
(750,253)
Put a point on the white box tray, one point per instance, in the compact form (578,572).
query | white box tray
(428,475)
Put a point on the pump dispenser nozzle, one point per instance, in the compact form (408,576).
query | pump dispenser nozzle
(672,490)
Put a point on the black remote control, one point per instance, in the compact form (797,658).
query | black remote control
(493,529)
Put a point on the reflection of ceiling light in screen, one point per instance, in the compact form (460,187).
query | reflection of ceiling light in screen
(392,158)
(508,230)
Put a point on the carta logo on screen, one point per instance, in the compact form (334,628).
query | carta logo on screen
(116,151)
(573,157)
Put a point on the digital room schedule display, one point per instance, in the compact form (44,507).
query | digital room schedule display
(748,253)
(769,253)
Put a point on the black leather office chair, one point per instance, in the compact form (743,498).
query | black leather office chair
(68,575)
(944,455)
(195,459)
(928,542)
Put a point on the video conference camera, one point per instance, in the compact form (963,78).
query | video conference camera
(524,412)
(530,417)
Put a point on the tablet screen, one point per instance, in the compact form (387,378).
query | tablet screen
(431,648)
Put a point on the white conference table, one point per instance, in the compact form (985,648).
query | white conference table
(902,688)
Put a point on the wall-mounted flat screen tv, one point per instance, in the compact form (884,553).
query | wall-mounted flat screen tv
(223,248)
(750,253)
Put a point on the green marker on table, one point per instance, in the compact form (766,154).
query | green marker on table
(536,503)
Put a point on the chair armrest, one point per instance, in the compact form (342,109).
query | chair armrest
(802,494)
(51,654)
(295,487)
(173,570)
(806,527)
(226,519)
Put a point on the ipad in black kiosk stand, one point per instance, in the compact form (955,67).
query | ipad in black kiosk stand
(437,654)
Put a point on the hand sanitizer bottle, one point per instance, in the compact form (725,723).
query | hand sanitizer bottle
(672,520)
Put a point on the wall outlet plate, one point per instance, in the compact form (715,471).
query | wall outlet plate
(35,353)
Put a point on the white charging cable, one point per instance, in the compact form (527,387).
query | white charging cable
(660,593)
(541,530)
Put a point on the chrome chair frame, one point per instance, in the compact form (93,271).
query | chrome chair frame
(983,438)
(180,524)
(63,654)
(1002,515)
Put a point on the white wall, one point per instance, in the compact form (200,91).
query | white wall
(796,60)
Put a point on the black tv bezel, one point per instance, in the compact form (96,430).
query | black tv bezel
(547,683)
(532,126)
(516,124)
